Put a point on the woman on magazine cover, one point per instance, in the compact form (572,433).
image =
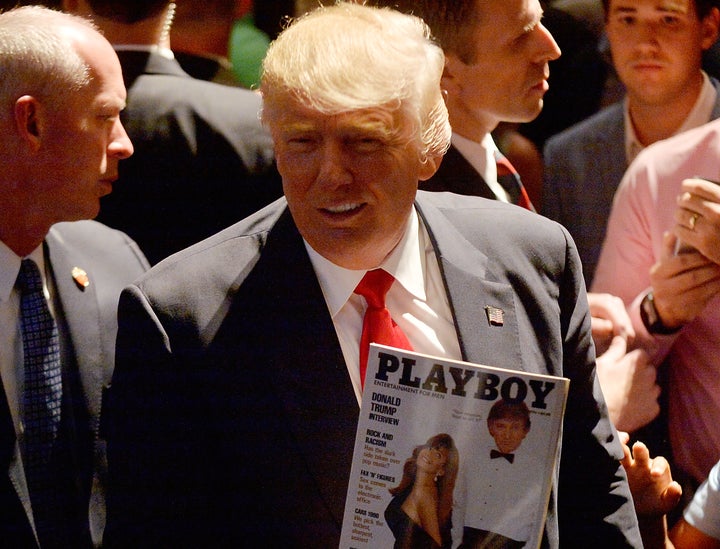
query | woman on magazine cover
(419,513)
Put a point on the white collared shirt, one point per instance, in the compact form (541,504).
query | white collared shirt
(481,156)
(699,115)
(11,347)
(417,303)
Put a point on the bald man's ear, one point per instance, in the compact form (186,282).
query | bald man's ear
(29,121)
(428,169)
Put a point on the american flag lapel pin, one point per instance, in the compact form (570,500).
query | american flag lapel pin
(495,315)
(81,278)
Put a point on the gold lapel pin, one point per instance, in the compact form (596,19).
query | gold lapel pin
(495,315)
(81,278)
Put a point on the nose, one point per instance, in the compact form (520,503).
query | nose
(647,35)
(120,146)
(549,50)
(333,170)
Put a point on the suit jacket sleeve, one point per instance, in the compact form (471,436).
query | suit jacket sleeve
(594,501)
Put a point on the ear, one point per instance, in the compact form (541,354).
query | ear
(710,26)
(428,169)
(450,80)
(29,121)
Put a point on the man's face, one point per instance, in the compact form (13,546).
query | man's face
(657,46)
(507,78)
(85,139)
(350,179)
(508,433)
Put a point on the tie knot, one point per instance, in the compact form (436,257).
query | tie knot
(374,287)
(29,279)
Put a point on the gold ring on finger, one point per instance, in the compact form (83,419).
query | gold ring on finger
(693,221)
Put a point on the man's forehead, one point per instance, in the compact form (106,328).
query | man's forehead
(671,6)
(302,118)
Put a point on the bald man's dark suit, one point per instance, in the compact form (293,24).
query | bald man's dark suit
(202,159)
(232,415)
(86,319)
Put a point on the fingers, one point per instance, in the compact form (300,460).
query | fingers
(641,454)
(609,315)
(624,437)
(694,190)
(697,216)
(616,350)
(671,496)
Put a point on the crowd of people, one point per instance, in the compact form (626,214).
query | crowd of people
(182,349)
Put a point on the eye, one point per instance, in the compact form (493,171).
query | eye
(301,142)
(364,143)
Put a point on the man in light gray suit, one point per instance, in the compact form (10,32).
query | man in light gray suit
(234,402)
(657,51)
(61,95)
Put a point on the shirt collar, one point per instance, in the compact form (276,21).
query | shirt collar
(481,156)
(405,263)
(699,115)
(10,267)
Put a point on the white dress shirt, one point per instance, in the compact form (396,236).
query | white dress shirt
(417,303)
(11,346)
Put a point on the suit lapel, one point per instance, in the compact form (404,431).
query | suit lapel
(11,463)
(472,289)
(295,339)
(81,321)
(456,175)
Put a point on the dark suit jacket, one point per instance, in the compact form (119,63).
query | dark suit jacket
(87,326)
(583,167)
(232,415)
(456,175)
(202,159)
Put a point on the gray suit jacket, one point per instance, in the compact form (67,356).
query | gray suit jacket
(87,326)
(232,416)
(583,167)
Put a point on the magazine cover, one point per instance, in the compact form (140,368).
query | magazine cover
(451,454)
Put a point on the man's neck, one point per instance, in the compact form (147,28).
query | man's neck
(653,122)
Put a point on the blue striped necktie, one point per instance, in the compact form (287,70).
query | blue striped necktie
(42,396)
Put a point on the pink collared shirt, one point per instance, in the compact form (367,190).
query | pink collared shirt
(642,211)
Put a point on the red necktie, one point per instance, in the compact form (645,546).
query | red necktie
(509,179)
(378,326)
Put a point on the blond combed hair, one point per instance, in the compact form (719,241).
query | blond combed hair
(349,57)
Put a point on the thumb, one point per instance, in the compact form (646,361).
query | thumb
(616,350)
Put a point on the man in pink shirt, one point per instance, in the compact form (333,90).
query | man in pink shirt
(674,299)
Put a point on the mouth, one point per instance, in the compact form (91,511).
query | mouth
(344,210)
(646,66)
(106,184)
(541,86)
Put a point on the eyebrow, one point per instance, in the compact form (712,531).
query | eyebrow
(295,127)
